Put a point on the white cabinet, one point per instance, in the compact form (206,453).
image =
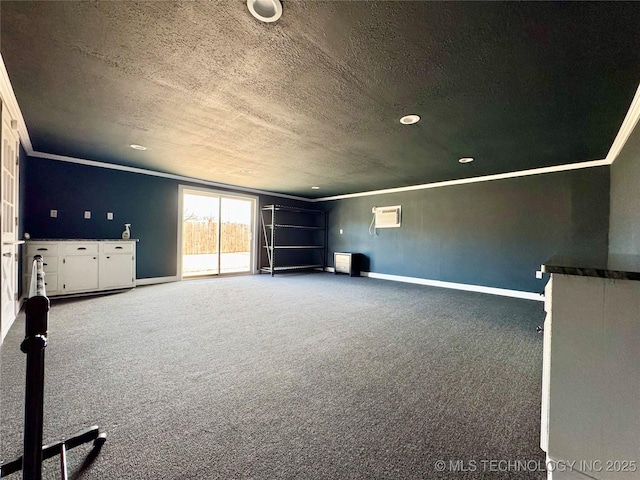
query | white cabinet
(346,263)
(78,271)
(117,270)
(591,378)
(49,252)
(81,266)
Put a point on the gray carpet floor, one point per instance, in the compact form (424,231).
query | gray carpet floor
(301,376)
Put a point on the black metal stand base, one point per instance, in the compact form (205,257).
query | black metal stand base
(91,434)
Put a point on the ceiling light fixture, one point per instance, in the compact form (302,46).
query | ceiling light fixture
(466,160)
(247,172)
(265,10)
(410,119)
(137,147)
(315,188)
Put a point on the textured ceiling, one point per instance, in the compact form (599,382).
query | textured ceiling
(315,98)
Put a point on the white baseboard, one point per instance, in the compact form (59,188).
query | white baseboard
(456,286)
(154,280)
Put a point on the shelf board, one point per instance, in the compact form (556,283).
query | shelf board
(290,209)
(290,267)
(295,247)
(301,227)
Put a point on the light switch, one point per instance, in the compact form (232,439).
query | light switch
(53,213)
(109,215)
(87,214)
(538,274)
(340,231)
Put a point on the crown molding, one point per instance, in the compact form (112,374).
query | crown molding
(628,124)
(154,173)
(463,181)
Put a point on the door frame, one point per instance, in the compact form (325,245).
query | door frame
(11,244)
(219,193)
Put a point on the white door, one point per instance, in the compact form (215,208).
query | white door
(9,193)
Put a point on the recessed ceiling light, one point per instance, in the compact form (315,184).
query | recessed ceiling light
(410,119)
(315,188)
(466,160)
(137,147)
(247,172)
(265,10)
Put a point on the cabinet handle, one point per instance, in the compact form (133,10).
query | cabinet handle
(82,248)
(108,257)
(42,249)
(94,258)
(118,248)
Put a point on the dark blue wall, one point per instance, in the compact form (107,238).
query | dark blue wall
(494,233)
(149,203)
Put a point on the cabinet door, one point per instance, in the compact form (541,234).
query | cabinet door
(116,271)
(78,273)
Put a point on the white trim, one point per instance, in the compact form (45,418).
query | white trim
(424,186)
(153,173)
(629,123)
(156,280)
(463,181)
(457,286)
(8,96)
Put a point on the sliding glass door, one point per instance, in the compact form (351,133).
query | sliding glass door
(236,217)
(217,233)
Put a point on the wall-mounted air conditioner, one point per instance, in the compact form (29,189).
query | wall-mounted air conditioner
(388,217)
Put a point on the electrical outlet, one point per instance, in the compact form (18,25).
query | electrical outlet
(87,214)
(373,209)
(341,232)
(538,274)
(53,213)
(109,215)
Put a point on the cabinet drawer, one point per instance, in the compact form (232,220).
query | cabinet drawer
(115,247)
(342,261)
(50,283)
(343,269)
(41,249)
(80,248)
(50,264)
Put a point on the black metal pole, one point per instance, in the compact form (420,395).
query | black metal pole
(35,341)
